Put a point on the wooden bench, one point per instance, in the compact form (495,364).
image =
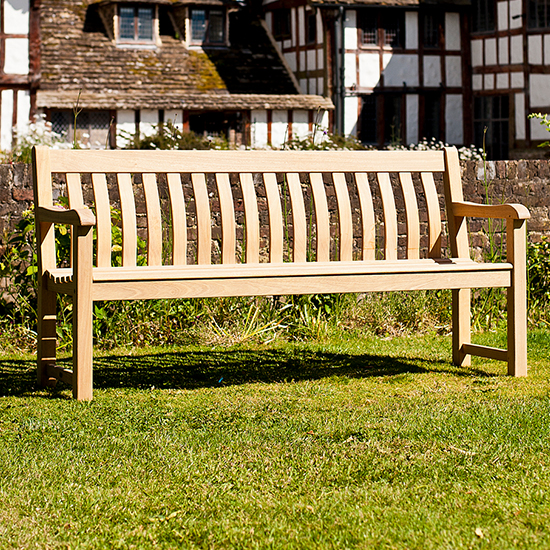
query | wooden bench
(376,195)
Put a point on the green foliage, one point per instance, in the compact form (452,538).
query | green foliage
(324,141)
(538,273)
(544,121)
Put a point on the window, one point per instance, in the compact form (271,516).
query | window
(207,26)
(393,118)
(432,116)
(92,127)
(432,27)
(311,28)
(483,15)
(539,14)
(281,24)
(492,112)
(369,120)
(385,29)
(135,24)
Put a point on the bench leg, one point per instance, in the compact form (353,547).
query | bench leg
(461,326)
(517,299)
(47,338)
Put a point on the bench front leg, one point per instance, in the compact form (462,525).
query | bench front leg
(461,303)
(82,314)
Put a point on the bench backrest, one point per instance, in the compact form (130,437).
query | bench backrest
(259,198)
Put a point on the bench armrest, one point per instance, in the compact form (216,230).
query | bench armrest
(499,211)
(77,216)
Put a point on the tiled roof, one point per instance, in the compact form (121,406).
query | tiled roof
(78,54)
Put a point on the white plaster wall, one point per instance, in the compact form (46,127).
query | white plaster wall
(534,47)
(23,110)
(301,26)
(300,124)
(126,126)
(502,81)
(290,58)
(148,120)
(490,51)
(412,118)
(516,49)
(452,31)
(400,68)
(320,86)
(279,127)
(516,80)
(303,85)
(538,131)
(6,120)
(453,71)
(477,53)
(269,20)
(502,15)
(547,49)
(503,53)
(477,82)
(516,9)
(411,30)
(350,30)
(312,83)
(350,70)
(16,16)
(311,57)
(176,116)
(432,70)
(454,133)
(351,106)
(293,37)
(488,81)
(369,70)
(302,58)
(320,63)
(539,84)
(17,56)
(520,115)
(258,130)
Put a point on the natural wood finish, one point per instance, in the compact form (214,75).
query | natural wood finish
(251,219)
(154,219)
(202,211)
(345,224)
(227,212)
(179,219)
(368,226)
(129,222)
(299,235)
(390,216)
(103,215)
(275,218)
(411,214)
(434,215)
(322,219)
(87,284)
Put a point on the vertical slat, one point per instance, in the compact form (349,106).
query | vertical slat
(411,214)
(202,207)
(251,218)
(227,211)
(103,219)
(74,191)
(345,223)
(179,219)
(390,216)
(275,218)
(129,222)
(461,300)
(154,219)
(298,217)
(434,215)
(322,219)
(368,228)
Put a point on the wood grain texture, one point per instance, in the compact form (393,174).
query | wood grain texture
(299,232)
(227,213)
(433,211)
(129,222)
(368,227)
(202,209)
(103,217)
(154,219)
(345,223)
(74,191)
(275,218)
(411,215)
(322,219)
(390,216)
(251,218)
(179,219)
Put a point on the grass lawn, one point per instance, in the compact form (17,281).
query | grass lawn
(342,444)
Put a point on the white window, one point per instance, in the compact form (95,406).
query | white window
(207,26)
(136,24)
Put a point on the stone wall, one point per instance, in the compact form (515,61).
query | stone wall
(524,181)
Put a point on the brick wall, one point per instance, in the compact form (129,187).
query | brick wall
(524,181)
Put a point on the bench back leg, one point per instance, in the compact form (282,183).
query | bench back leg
(47,339)
(461,300)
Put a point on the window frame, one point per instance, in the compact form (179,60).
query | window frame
(206,38)
(533,19)
(383,21)
(438,22)
(282,31)
(137,41)
(487,9)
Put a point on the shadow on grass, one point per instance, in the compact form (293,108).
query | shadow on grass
(201,369)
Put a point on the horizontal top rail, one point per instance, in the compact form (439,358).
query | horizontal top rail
(244,161)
